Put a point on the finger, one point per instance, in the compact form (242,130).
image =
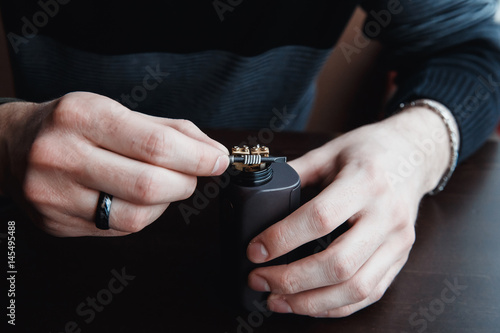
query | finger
(314,165)
(115,128)
(336,264)
(374,297)
(124,216)
(132,180)
(131,218)
(77,215)
(189,129)
(75,227)
(334,205)
(306,170)
(166,147)
(361,288)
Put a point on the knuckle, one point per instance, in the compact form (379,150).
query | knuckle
(374,177)
(408,236)
(186,126)
(311,264)
(323,214)
(154,146)
(41,152)
(72,160)
(146,189)
(204,163)
(87,112)
(57,153)
(39,194)
(361,289)
(342,268)
(310,306)
(34,192)
(288,283)
(67,110)
(401,216)
(278,235)
(344,311)
(377,294)
(189,187)
(370,168)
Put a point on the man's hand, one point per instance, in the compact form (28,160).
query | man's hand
(59,155)
(374,178)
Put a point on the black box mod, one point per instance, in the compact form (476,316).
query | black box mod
(262,191)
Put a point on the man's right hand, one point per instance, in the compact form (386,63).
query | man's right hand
(58,156)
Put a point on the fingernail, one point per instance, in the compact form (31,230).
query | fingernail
(218,165)
(257,253)
(279,305)
(258,283)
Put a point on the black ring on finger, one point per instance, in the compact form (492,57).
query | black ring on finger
(103,210)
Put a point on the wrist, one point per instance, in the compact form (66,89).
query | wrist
(428,135)
(12,129)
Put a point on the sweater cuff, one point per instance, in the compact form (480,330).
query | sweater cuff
(473,100)
(4,100)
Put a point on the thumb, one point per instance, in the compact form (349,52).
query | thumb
(305,167)
(317,164)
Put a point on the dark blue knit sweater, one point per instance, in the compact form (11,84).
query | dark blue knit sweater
(229,63)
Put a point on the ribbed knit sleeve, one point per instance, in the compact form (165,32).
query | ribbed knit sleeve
(445,50)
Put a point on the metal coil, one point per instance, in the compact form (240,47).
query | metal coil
(252,159)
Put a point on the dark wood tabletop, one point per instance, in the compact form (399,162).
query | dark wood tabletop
(166,278)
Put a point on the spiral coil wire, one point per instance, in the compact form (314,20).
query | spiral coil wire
(252,159)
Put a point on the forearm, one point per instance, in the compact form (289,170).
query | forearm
(455,61)
(473,99)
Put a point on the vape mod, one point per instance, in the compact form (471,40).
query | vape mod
(262,191)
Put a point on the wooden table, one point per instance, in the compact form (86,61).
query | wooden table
(166,278)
